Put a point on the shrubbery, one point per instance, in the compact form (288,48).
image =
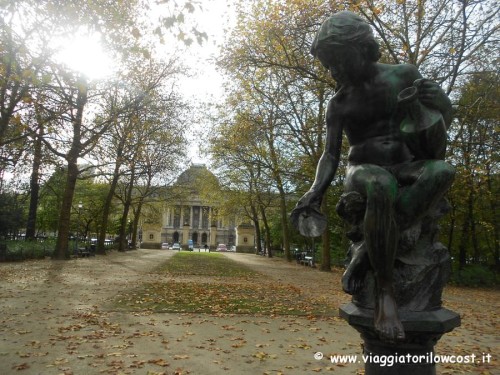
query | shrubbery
(475,275)
(22,250)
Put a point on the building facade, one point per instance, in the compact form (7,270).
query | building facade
(189,218)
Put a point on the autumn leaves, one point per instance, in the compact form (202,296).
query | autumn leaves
(211,283)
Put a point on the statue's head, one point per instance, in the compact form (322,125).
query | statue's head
(345,30)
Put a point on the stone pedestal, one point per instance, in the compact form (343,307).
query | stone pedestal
(414,355)
(245,241)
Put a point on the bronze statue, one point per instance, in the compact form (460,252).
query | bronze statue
(395,122)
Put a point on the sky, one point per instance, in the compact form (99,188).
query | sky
(85,54)
(215,17)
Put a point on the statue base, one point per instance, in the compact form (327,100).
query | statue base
(414,355)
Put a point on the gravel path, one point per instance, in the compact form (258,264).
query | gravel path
(55,318)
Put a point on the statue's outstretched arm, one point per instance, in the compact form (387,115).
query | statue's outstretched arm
(309,204)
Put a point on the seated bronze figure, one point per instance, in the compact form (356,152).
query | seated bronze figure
(395,122)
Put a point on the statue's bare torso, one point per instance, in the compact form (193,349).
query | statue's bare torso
(368,114)
(365,109)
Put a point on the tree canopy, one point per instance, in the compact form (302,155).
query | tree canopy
(272,123)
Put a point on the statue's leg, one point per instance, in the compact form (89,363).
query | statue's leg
(427,182)
(380,234)
(354,275)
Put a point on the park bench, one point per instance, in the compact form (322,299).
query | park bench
(304,259)
(307,261)
(84,252)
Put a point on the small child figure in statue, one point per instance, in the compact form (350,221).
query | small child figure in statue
(381,157)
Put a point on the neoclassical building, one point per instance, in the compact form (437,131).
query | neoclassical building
(187,216)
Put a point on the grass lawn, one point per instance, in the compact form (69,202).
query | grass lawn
(204,264)
(212,283)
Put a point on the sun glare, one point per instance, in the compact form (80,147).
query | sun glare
(83,53)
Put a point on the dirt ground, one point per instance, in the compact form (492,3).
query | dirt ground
(56,318)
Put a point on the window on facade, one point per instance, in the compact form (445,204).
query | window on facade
(177,217)
(245,239)
(196,216)
(187,216)
(151,236)
(204,217)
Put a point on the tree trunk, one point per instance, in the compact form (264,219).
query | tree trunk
(135,223)
(101,249)
(62,250)
(473,232)
(325,237)
(493,206)
(122,244)
(124,228)
(258,236)
(284,225)
(462,257)
(451,230)
(279,183)
(267,231)
(34,187)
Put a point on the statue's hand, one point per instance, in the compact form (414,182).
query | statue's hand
(306,216)
(429,92)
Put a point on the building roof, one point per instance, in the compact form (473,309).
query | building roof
(195,176)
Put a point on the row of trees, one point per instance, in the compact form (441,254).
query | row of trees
(126,132)
(269,133)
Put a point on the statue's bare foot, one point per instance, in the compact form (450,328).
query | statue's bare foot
(387,323)
(354,275)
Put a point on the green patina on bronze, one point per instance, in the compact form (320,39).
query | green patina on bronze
(397,176)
